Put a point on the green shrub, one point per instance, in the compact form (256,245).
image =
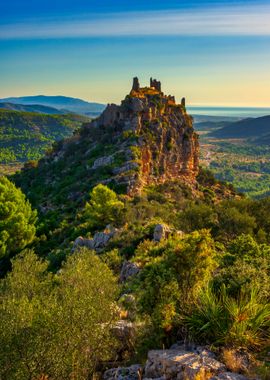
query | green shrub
(57,326)
(241,321)
(17,219)
(103,207)
(173,271)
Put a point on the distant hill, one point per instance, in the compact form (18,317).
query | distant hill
(262,140)
(211,125)
(26,136)
(31,108)
(248,128)
(62,103)
(212,118)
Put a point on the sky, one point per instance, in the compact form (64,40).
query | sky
(215,53)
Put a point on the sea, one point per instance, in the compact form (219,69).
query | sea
(230,112)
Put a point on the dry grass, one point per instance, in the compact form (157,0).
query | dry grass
(233,361)
(202,375)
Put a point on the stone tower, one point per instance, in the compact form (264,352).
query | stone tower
(136,84)
(183,102)
(155,84)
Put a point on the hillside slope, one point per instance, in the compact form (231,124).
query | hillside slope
(147,139)
(142,144)
(31,108)
(59,102)
(26,136)
(247,128)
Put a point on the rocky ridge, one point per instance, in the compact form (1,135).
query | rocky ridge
(146,140)
(160,140)
(176,363)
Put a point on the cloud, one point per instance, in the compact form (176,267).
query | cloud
(247,20)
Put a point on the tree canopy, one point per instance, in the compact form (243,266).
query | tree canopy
(56,325)
(17,219)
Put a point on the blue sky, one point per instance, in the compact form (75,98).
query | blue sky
(214,53)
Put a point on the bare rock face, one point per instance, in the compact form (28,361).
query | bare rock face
(103,161)
(133,372)
(99,241)
(180,364)
(229,376)
(161,231)
(128,270)
(160,141)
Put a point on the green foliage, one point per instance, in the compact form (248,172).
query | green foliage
(103,207)
(17,219)
(233,221)
(27,135)
(198,216)
(56,325)
(173,272)
(246,265)
(242,163)
(241,321)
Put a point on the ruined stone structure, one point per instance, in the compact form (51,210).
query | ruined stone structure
(136,84)
(155,84)
(163,146)
(183,102)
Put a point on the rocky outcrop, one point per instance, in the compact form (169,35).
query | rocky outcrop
(125,333)
(102,161)
(128,270)
(161,231)
(99,241)
(181,364)
(160,141)
(133,372)
(177,363)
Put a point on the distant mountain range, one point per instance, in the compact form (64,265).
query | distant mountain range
(37,108)
(61,103)
(255,129)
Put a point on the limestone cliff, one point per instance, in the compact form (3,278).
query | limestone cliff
(147,139)
(160,140)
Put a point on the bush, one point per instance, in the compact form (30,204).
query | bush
(241,321)
(17,219)
(198,216)
(234,221)
(246,264)
(173,272)
(103,207)
(56,325)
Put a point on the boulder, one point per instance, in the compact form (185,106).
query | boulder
(229,376)
(128,270)
(82,242)
(125,333)
(161,231)
(130,165)
(180,364)
(123,330)
(102,161)
(134,372)
(99,241)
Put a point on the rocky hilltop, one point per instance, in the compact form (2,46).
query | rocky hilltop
(145,141)
(162,143)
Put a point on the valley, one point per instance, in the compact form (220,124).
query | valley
(244,162)
(26,136)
